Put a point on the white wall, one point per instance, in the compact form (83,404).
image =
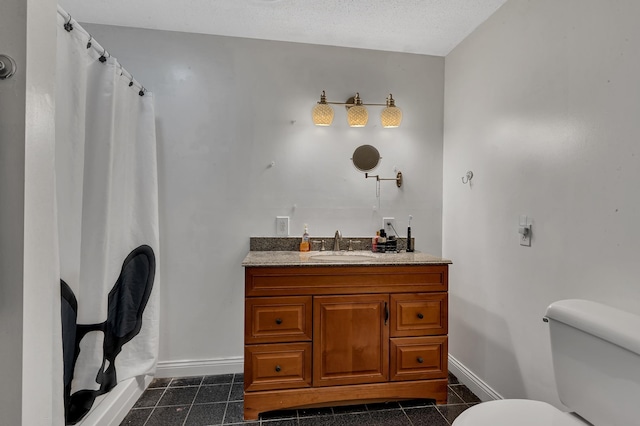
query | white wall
(12,127)
(541,103)
(30,342)
(226,108)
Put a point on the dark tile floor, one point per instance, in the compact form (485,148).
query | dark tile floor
(217,400)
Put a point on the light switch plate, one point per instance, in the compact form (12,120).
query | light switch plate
(282,226)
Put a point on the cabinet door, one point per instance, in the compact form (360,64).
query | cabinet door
(350,339)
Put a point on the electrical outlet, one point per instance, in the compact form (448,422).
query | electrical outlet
(388,224)
(524,230)
(282,226)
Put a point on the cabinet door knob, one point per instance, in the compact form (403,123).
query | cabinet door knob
(278,321)
(420,315)
(420,360)
(278,368)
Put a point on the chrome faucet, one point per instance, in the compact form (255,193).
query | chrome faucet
(336,241)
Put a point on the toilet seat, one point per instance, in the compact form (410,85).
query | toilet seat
(521,412)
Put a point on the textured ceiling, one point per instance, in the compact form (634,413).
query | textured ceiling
(431,27)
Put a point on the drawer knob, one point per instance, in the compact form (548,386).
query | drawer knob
(420,315)
(420,360)
(278,321)
(278,368)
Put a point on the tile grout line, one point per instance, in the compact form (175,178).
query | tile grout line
(192,401)
(226,405)
(157,402)
(442,415)
(406,415)
(457,394)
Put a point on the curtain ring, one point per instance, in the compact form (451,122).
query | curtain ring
(131,82)
(141,92)
(89,42)
(68,25)
(103,58)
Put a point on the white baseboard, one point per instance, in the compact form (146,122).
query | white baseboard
(111,408)
(473,382)
(206,367)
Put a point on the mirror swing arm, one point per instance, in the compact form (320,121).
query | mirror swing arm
(366,158)
(398,178)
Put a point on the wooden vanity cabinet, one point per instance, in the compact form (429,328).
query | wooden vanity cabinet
(338,335)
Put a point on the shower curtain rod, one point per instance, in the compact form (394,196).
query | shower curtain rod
(97,47)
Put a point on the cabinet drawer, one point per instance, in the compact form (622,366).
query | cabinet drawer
(277,319)
(419,358)
(418,314)
(277,366)
(334,280)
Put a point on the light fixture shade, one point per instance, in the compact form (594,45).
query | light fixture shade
(357,116)
(322,115)
(392,115)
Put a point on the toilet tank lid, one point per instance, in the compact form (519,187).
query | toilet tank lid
(611,324)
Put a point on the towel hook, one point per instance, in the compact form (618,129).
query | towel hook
(468,176)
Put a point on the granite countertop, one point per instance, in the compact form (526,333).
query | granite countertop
(331,258)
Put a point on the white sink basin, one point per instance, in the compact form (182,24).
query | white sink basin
(342,257)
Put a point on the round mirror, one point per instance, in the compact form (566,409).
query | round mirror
(365,158)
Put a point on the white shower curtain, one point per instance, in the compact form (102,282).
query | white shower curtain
(107,198)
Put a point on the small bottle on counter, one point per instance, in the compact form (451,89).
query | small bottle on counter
(305,244)
(374,242)
(382,242)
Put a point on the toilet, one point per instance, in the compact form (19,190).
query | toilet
(596,362)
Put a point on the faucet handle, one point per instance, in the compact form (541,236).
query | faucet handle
(351,242)
(322,247)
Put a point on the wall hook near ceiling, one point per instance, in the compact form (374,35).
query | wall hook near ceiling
(468,178)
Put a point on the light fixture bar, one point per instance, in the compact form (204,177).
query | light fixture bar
(357,115)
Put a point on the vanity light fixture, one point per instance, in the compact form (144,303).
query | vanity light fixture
(357,114)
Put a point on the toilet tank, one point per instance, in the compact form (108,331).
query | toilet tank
(596,360)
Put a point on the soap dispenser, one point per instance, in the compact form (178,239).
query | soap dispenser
(305,244)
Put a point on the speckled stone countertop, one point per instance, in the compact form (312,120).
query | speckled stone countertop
(342,258)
